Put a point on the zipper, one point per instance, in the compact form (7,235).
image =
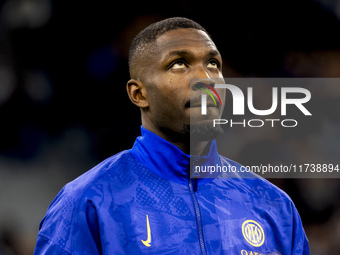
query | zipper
(193,188)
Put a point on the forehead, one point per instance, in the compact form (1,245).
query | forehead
(190,39)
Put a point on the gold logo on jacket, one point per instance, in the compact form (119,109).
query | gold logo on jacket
(148,229)
(253,233)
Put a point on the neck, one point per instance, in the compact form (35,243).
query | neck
(197,149)
(200,148)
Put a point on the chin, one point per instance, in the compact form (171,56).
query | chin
(196,115)
(200,127)
(202,130)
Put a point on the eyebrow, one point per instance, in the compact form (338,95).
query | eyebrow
(182,53)
(186,53)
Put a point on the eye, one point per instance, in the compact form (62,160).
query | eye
(214,64)
(179,64)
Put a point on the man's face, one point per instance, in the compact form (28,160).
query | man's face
(181,55)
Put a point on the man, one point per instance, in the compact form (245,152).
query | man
(143,201)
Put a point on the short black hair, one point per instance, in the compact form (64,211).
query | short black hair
(150,34)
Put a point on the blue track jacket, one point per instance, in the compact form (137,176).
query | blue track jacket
(143,201)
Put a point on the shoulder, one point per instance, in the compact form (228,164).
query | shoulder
(75,194)
(78,186)
(101,173)
(257,193)
(71,207)
(256,185)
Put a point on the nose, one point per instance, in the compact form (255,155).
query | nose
(201,84)
(200,77)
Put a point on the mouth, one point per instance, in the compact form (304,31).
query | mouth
(196,102)
(209,104)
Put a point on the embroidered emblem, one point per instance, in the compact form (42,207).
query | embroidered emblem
(253,233)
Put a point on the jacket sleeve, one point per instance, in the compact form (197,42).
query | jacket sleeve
(300,241)
(44,246)
(306,248)
(69,227)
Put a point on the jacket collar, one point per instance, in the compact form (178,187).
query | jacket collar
(167,160)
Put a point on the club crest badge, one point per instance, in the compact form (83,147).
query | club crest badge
(253,233)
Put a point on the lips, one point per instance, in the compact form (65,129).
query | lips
(196,102)
(209,104)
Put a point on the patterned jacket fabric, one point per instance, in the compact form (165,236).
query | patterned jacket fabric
(143,201)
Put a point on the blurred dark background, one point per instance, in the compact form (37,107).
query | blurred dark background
(64,107)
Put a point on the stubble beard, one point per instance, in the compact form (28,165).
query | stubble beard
(205,131)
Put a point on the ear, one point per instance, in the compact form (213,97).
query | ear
(137,93)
